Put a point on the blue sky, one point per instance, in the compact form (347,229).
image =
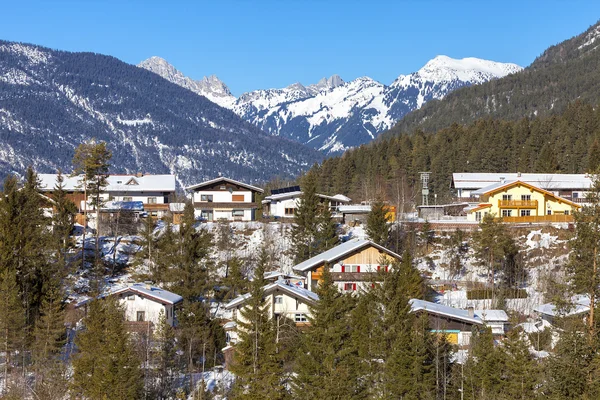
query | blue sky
(264,44)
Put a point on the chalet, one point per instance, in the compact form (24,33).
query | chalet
(152,192)
(143,303)
(282,203)
(572,187)
(496,320)
(549,312)
(285,300)
(224,199)
(519,201)
(455,323)
(352,264)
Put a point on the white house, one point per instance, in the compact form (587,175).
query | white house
(572,187)
(143,302)
(284,299)
(282,203)
(224,199)
(580,307)
(496,320)
(154,192)
(352,264)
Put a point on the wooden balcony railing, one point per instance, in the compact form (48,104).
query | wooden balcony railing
(540,218)
(517,203)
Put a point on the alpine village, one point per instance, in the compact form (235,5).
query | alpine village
(161,238)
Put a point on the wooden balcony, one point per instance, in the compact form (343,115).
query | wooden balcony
(539,219)
(156,207)
(517,203)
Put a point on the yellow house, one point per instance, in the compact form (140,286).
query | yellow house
(518,201)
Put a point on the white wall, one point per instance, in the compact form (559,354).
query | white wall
(278,207)
(222,196)
(151,308)
(135,196)
(289,307)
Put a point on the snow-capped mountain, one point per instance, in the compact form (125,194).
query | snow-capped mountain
(54,100)
(333,115)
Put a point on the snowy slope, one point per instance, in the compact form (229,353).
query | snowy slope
(334,115)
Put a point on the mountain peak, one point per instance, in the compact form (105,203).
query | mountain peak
(444,68)
(328,83)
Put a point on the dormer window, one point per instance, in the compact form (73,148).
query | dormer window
(132,181)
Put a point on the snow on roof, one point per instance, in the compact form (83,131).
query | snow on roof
(492,315)
(223,179)
(440,309)
(354,208)
(116,183)
(534,327)
(124,205)
(500,185)
(581,306)
(290,195)
(545,181)
(338,252)
(493,186)
(283,275)
(152,292)
(230,325)
(291,290)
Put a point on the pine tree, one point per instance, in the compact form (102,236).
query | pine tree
(62,221)
(12,320)
(91,161)
(520,370)
(377,224)
(305,229)
(327,365)
(257,363)
(106,366)
(147,253)
(585,253)
(235,279)
(165,353)
(594,157)
(327,234)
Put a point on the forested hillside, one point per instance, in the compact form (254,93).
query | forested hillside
(564,73)
(51,101)
(567,143)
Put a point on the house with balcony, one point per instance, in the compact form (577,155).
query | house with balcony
(353,265)
(572,187)
(152,192)
(283,202)
(224,199)
(517,201)
(285,299)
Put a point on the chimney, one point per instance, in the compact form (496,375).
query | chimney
(139,174)
(502,179)
(148,285)
(471,311)
(518,174)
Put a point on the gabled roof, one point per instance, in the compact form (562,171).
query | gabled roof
(478,180)
(153,293)
(581,306)
(446,311)
(223,179)
(340,251)
(492,315)
(277,274)
(497,187)
(290,195)
(116,183)
(278,286)
(479,207)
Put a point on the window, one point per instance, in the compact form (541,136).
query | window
(575,195)
(566,212)
(206,197)
(154,213)
(349,286)
(131,297)
(507,197)
(525,213)
(237,213)
(526,197)
(151,200)
(289,211)
(127,198)
(300,318)
(549,212)
(141,316)
(278,299)
(506,213)
(237,197)
(351,268)
(478,216)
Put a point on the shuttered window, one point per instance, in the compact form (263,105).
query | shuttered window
(237,197)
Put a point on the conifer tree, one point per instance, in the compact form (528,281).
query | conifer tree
(257,363)
(147,252)
(584,258)
(305,229)
(377,224)
(327,365)
(91,161)
(106,366)
(520,370)
(235,279)
(165,365)
(327,234)
(12,320)
(62,221)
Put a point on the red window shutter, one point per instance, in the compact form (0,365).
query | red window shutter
(343,268)
(378,267)
(354,286)
(358,268)
(386,268)
(372,285)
